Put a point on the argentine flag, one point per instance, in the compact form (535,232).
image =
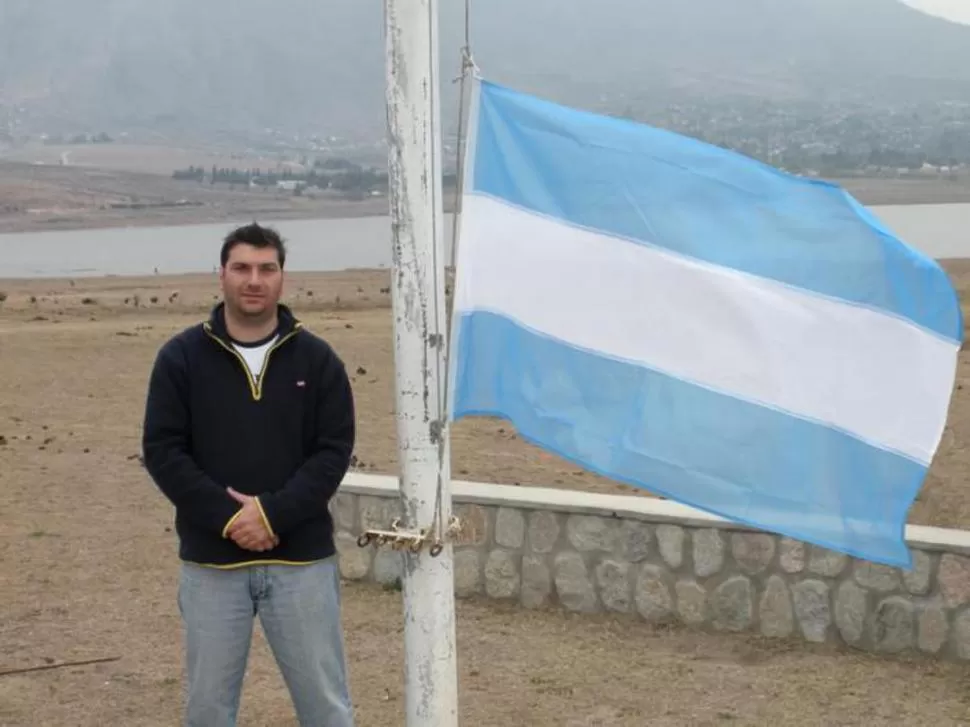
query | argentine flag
(684,319)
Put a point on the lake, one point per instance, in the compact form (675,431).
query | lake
(939,230)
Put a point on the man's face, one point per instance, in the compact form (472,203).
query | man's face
(251,281)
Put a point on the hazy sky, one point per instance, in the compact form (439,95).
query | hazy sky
(955,10)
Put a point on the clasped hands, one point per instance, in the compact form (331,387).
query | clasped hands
(248,530)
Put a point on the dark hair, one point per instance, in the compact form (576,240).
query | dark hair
(254,235)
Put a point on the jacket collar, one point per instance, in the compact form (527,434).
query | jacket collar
(216,324)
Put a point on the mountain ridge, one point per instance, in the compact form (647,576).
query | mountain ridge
(236,66)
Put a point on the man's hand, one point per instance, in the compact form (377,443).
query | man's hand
(248,530)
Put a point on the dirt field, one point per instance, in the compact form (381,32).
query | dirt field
(88,564)
(86,193)
(36,198)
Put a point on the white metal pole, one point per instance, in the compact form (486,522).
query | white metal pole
(418,304)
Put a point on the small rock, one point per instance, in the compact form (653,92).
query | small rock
(670,540)
(536,582)
(753,552)
(652,595)
(708,552)
(474,525)
(633,541)
(573,586)
(917,580)
(613,578)
(893,625)
(691,602)
(731,604)
(812,609)
(775,609)
(828,563)
(501,574)
(932,630)
(468,581)
(591,533)
(876,576)
(388,567)
(954,580)
(851,604)
(961,635)
(791,555)
(509,528)
(354,561)
(543,531)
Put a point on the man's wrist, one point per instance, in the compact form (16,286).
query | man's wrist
(266,522)
(225,530)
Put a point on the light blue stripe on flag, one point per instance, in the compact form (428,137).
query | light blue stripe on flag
(745,462)
(663,189)
(689,321)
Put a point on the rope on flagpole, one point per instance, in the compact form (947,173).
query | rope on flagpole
(434,535)
(468,68)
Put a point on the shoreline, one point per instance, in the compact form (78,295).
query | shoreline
(49,198)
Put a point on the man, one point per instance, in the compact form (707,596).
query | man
(249,427)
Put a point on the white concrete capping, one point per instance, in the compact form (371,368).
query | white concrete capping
(648,509)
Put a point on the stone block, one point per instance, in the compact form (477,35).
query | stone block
(691,602)
(851,605)
(708,552)
(954,580)
(652,594)
(536,582)
(812,609)
(543,531)
(932,629)
(343,510)
(753,552)
(876,577)
(670,541)
(474,525)
(509,528)
(633,541)
(353,561)
(378,512)
(828,563)
(502,574)
(388,566)
(468,577)
(775,609)
(588,533)
(894,625)
(961,635)
(613,578)
(573,585)
(791,555)
(732,604)
(917,580)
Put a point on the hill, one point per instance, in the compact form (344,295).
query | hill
(235,66)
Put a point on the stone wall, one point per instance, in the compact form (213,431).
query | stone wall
(666,562)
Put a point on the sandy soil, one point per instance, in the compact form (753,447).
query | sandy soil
(87,557)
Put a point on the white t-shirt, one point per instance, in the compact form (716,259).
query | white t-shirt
(255,355)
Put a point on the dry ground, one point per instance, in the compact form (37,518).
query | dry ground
(87,557)
(37,198)
(85,194)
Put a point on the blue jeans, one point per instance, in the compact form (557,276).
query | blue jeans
(299,608)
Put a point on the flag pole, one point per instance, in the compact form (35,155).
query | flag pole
(418,305)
